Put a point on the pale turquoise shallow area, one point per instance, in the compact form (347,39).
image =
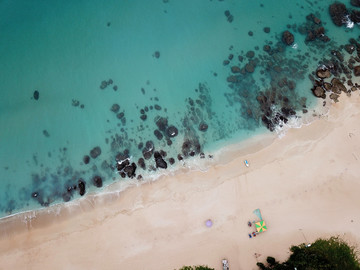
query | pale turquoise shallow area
(65,49)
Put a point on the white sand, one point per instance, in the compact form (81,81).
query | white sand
(307,186)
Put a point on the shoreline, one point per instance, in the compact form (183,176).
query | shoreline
(43,217)
(221,156)
(304,183)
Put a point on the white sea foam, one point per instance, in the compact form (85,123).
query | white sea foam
(349,23)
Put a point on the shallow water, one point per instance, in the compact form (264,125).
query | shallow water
(165,58)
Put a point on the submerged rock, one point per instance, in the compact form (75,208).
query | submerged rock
(203,126)
(141,163)
(97,181)
(86,159)
(250,67)
(171,161)
(115,108)
(158,134)
(349,48)
(103,85)
(46,133)
(287,38)
(66,196)
(161,123)
(95,152)
(36,95)
(120,115)
(232,79)
(228,15)
(250,54)
(235,69)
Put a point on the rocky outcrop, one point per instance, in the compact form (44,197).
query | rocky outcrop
(338,86)
(338,13)
(334,97)
(355,3)
(191,147)
(172,131)
(160,162)
(130,170)
(318,91)
(355,16)
(357,71)
(81,186)
(148,150)
(323,73)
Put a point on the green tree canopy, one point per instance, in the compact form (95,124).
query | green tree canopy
(323,254)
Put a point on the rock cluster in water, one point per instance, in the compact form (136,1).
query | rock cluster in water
(272,106)
(332,75)
(341,16)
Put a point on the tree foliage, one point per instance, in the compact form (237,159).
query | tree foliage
(323,254)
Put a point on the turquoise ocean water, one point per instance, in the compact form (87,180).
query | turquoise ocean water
(116,77)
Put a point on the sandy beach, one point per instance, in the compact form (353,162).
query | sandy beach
(306,185)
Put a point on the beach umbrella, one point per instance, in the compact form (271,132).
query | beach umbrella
(209,223)
(261,226)
(257,212)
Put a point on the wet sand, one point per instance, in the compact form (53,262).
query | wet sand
(306,185)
